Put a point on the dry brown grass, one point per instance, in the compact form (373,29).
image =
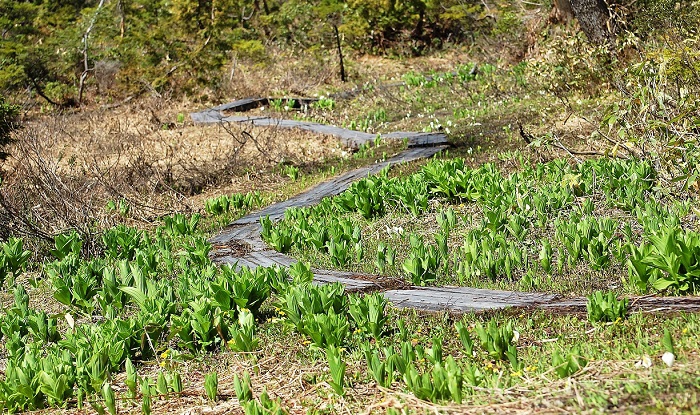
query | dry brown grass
(64,168)
(287,374)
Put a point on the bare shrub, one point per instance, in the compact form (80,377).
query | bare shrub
(39,198)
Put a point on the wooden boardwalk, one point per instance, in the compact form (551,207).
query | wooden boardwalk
(246,230)
(241,244)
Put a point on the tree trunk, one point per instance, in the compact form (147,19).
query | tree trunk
(561,12)
(594,19)
(340,54)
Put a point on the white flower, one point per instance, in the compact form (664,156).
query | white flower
(645,362)
(668,358)
(398,230)
(516,336)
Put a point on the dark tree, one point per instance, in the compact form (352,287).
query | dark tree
(593,16)
(8,122)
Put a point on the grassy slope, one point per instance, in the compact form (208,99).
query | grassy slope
(483,117)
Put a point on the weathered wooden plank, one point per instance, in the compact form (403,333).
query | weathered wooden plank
(645,303)
(350,138)
(483,293)
(215,114)
(463,299)
(329,188)
(418,139)
(269,258)
(206,117)
(245,104)
(351,285)
(248,232)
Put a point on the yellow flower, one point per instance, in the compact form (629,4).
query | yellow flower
(162,364)
(685,331)
(516,374)
(165,354)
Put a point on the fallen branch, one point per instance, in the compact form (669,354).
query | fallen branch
(529,139)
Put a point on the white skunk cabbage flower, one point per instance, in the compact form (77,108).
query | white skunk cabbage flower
(645,362)
(668,358)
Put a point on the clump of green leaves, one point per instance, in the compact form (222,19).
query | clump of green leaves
(109,397)
(292,172)
(239,201)
(386,256)
(465,337)
(368,313)
(444,381)
(300,301)
(281,238)
(13,258)
(422,264)
(364,196)
(211,385)
(497,340)
(325,330)
(324,103)
(337,368)
(381,369)
(179,224)
(146,400)
(244,392)
(243,334)
(606,307)
(567,364)
(122,207)
(669,262)
(242,387)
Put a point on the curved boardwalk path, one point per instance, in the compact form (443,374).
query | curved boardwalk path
(240,243)
(349,138)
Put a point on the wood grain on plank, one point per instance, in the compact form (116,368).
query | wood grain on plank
(348,137)
(463,299)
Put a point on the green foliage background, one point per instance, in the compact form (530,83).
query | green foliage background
(161,44)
